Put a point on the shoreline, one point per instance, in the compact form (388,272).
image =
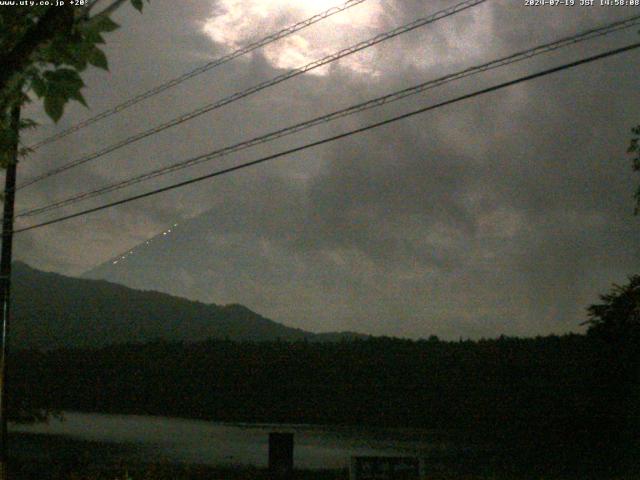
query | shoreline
(58,457)
(38,456)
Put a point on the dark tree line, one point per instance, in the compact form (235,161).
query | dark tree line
(546,399)
(565,401)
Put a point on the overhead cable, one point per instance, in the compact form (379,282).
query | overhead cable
(197,71)
(259,87)
(307,146)
(360,107)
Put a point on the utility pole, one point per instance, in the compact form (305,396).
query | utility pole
(5,281)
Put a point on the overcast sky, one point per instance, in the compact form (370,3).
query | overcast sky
(504,214)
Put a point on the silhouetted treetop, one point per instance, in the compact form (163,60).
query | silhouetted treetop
(618,316)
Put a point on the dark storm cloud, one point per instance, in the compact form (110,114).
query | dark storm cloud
(503,214)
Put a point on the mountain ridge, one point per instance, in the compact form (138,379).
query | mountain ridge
(51,311)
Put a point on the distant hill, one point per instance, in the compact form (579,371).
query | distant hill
(53,311)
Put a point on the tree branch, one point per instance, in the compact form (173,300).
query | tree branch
(112,8)
(86,11)
(55,21)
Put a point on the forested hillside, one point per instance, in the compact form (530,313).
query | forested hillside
(549,399)
(55,311)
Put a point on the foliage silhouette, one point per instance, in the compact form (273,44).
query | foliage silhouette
(528,401)
(44,48)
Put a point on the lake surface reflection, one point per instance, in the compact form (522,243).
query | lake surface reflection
(211,443)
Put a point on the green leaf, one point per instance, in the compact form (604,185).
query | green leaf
(98,59)
(93,37)
(54,106)
(137,4)
(7,137)
(76,55)
(39,86)
(63,82)
(80,98)
(102,24)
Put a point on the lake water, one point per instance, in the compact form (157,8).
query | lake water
(211,443)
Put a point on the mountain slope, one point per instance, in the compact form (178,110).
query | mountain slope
(52,311)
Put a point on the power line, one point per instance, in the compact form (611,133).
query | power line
(261,86)
(197,71)
(90,4)
(388,121)
(376,102)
